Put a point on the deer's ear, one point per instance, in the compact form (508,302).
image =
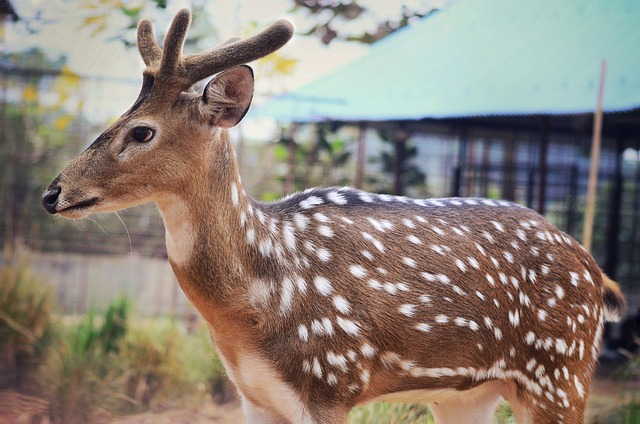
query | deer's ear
(227,97)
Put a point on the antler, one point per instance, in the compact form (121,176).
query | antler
(170,62)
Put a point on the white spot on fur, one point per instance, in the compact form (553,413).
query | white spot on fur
(409,262)
(325,231)
(341,304)
(348,326)
(423,327)
(367,350)
(407,309)
(336,198)
(234,195)
(357,271)
(323,254)
(323,286)
(303,332)
(310,202)
(320,217)
(301,221)
(413,239)
(442,319)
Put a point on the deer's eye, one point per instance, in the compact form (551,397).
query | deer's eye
(142,134)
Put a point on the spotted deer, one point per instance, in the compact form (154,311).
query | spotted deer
(335,297)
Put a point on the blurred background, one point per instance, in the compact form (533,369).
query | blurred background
(425,98)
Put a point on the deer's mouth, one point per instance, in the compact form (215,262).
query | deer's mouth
(79,209)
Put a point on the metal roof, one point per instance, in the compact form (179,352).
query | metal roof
(484,58)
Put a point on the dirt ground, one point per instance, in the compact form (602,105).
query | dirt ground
(230,413)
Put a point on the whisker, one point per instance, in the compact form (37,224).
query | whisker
(128,235)
(95,221)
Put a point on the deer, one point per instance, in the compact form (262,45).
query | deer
(334,297)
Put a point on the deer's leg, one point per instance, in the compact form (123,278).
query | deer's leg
(258,415)
(255,414)
(531,409)
(470,407)
(530,413)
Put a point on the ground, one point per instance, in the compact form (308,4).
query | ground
(607,393)
(230,413)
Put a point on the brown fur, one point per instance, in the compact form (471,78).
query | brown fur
(336,297)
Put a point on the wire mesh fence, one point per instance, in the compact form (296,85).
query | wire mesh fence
(47,119)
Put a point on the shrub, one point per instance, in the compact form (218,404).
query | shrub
(149,364)
(78,376)
(26,305)
(202,367)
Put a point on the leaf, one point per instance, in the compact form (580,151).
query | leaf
(280,152)
(30,94)
(161,4)
(341,159)
(63,122)
(277,64)
(337,145)
(132,12)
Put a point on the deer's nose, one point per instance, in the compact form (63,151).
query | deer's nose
(50,198)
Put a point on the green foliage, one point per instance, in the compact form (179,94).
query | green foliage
(410,413)
(321,156)
(504,415)
(412,175)
(78,375)
(391,413)
(26,304)
(110,364)
(115,324)
(199,362)
(150,364)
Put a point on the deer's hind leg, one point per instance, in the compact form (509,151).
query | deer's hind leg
(470,406)
(565,405)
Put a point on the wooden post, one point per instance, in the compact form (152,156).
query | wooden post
(360,156)
(399,159)
(290,180)
(589,209)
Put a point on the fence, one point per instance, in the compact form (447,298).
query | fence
(47,119)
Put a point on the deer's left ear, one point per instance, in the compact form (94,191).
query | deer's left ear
(227,97)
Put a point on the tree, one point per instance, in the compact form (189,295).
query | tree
(330,15)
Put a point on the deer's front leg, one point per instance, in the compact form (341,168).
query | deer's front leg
(257,415)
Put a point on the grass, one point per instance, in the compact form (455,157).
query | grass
(390,413)
(400,413)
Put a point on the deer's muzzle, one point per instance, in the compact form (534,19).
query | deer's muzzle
(50,198)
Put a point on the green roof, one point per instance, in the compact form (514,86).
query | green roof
(483,58)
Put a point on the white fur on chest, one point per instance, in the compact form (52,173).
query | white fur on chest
(255,378)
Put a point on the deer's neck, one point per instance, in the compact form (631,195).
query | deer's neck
(215,232)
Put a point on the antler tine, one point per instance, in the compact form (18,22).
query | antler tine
(172,51)
(147,45)
(231,54)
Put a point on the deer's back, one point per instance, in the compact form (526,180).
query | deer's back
(446,292)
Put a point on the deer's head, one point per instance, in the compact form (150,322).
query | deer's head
(147,151)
